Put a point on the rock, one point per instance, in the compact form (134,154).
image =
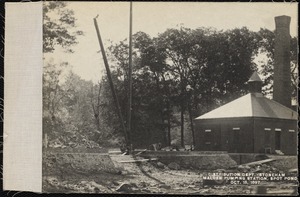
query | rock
(160,165)
(204,190)
(244,167)
(174,166)
(115,183)
(164,186)
(143,184)
(220,170)
(192,186)
(96,190)
(145,190)
(124,187)
(133,184)
(124,172)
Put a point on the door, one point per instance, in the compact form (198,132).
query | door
(236,141)
(208,140)
(277,140)
(217,140)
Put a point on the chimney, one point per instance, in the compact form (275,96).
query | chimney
(254,83)
(282,69)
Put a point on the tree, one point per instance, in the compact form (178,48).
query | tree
(53,113)
(187,71)
(148,103)
(96,103)
(266,47)
(58,32)
(52,89)
(153,64)
(59,29)
(177,45)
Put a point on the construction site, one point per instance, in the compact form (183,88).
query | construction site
(245,147)
(168,172)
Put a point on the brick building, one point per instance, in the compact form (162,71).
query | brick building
(254,123)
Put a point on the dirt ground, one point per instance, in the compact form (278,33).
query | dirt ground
(70,173)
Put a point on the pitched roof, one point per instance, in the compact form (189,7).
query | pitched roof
(255,77)
(252,105)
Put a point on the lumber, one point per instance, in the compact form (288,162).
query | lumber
(258,162)
(141,152)
(139,160)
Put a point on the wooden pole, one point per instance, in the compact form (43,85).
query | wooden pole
(111,82)
(130,76)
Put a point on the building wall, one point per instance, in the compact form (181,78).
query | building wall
(265,135)
(246,135)
(229,134)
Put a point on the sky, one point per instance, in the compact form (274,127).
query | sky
(154,18)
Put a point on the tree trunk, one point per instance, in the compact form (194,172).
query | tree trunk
(163,128)
(97,121)
(192,124)
(182,124)
(182,108)
(169,124)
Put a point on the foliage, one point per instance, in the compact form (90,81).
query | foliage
(177,76)
(182,71)
(59,26)
(267,45)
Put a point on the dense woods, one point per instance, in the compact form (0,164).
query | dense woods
(177,76)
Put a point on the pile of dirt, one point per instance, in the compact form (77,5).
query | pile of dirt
(285,163)
(60,163)
(75,187)
(99,173)
(200,162)
(78,149)
(279,165)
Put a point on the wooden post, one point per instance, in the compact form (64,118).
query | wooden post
(130,78)
(111,82)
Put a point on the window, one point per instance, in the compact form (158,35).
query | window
(277,129)
(292,136)
(267,129)
(207,136)
(236,144)
(267,138)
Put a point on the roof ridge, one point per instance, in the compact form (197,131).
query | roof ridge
(280,104)
(255,106)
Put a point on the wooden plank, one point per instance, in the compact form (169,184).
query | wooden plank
(258,162)
(114,151)
(294,170)
(281,191)
(140,160)
(142,151)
